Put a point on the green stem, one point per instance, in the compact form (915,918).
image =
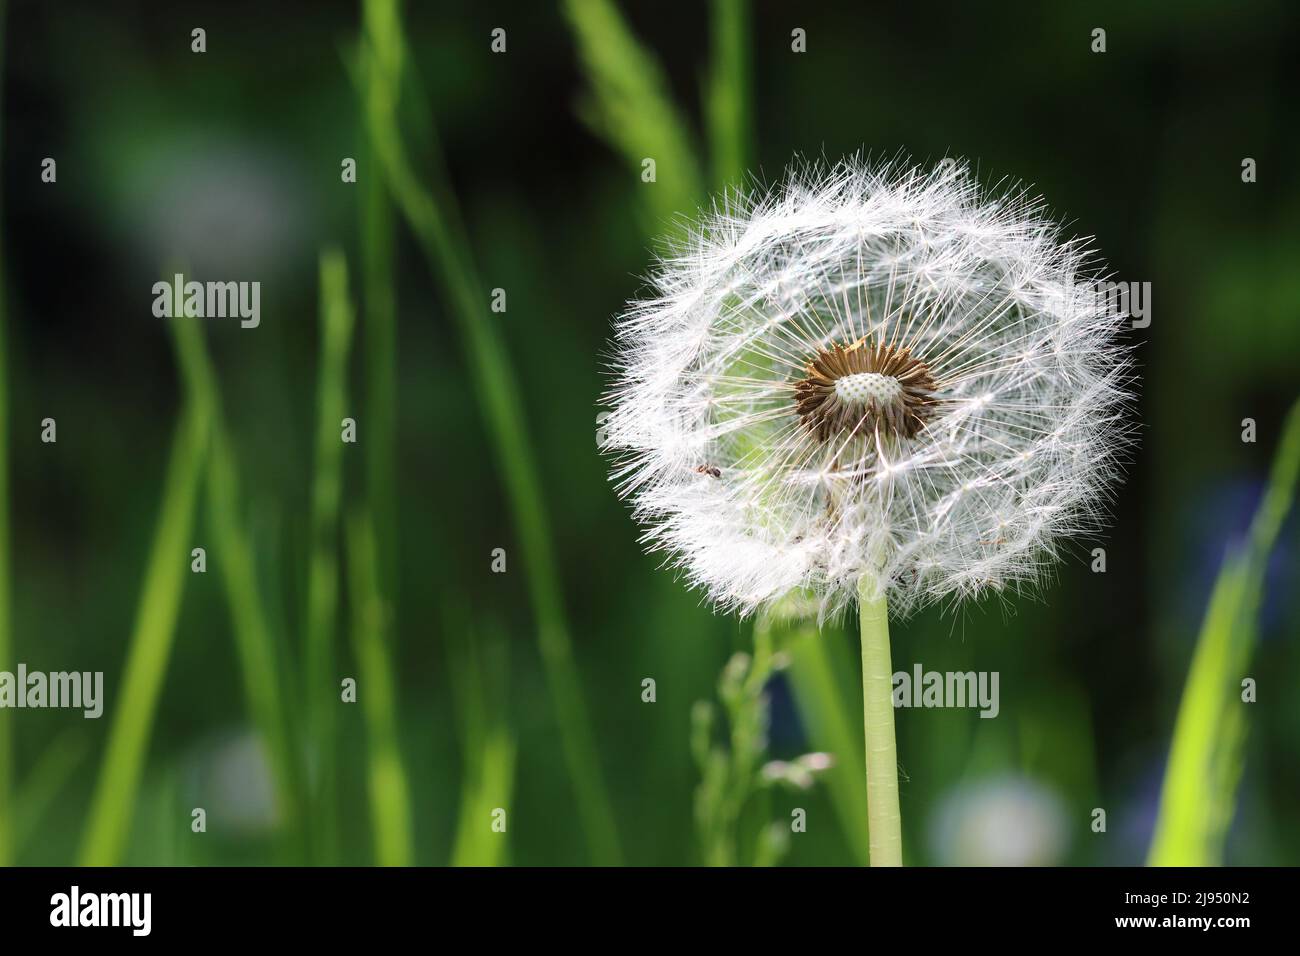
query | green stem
(270,702)
(390,791)
(379,316)
(113,805)
(883,817)
(322,580)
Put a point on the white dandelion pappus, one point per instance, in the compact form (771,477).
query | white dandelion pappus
(872,371)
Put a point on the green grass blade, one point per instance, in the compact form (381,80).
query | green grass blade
(436,225)
(390,802)
(379,287)
(265,691)
(727,95)
(825,706)
(1206,756)
(488,789)
(336,319)
(478,669)
(114,801)
(630,105)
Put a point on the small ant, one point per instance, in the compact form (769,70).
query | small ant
(708,470)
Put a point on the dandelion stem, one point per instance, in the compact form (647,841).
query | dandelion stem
(883,817)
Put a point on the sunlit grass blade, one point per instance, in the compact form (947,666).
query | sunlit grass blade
(436,224)
(486,790)
(233,553)
(1198,798)
(478,668)
(830,715)
(390,802)
(630,105)
(113,804)
(336,319)
(727,95)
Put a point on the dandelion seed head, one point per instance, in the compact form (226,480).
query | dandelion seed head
(871,371)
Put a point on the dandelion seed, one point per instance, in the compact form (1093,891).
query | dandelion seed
(886,372)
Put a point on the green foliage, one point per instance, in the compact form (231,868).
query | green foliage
(390,800)
(727,96)
(731,810)
(113,805)
(819,660)
(259,650)
(433,217)
(378,229)
(1206,756)
(44,782)
(478,662)
(630,106)
(320,681)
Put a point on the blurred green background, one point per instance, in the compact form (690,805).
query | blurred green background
(477,430)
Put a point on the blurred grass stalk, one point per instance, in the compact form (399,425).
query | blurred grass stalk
(390,802)
(6,610)
(267,693)
(478,667)
(1206,757)
(322,685)
(727,98)
(113,804)
(817,657)
(630,106)
(731,776)
(434,219)
(379,286)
